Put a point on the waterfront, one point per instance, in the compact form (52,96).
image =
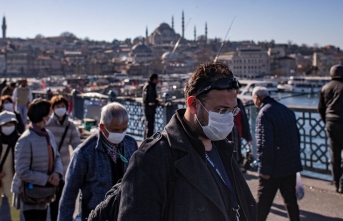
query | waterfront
(303,100)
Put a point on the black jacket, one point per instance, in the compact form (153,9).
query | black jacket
(277,139)
(149,194)
(244,121)
(150,101)
(330,106)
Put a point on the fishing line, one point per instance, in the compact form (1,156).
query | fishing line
(223,43)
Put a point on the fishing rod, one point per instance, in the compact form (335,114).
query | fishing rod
(223,43)
(176,45)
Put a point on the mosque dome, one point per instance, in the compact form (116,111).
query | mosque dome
(163,26)
(140,48)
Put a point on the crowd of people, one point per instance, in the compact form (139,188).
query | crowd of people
(189,171)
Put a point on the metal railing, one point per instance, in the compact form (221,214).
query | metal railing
(314,142)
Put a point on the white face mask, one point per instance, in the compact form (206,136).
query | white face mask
(60,111)
(8,107)
(219,125)
(115,138)
(7,130)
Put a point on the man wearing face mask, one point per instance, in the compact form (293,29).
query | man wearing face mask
(9,137)
(98,163)
(66,134)
(22,96)
(278,148)
(187,172)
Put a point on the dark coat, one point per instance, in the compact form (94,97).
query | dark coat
(277,139)
(150,101)
(330,106)
(244,121)
(149,194)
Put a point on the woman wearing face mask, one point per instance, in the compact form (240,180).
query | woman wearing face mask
(7,104)
(37,160)
(9,137)
(66,134)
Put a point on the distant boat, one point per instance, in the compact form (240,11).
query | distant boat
(249,85)
(297,84)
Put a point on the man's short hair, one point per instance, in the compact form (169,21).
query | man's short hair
(58,99)
(38,109)
(153,77)
(260,92)
(111,111)
(204,76)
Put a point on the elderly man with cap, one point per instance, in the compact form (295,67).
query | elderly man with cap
(9,137)
(330,108)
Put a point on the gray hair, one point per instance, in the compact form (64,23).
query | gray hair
(260,92)
(111,111)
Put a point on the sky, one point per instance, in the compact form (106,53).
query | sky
(299,21)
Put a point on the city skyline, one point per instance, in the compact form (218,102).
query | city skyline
(304,22)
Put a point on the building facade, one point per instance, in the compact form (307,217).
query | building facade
(247,63)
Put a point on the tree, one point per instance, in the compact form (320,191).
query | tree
(67,34)
(39,36)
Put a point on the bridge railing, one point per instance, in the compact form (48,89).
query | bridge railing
(314,142)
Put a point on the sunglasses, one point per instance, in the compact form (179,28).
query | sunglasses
(220,84)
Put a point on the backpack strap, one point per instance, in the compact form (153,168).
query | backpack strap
(5,156)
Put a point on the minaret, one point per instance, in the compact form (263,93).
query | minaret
(172,22)
(195,33)
(146,35)
(4,27)
(206,32)
(183,25)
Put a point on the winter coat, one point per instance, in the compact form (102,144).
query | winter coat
(244,121)
(150,101)
(91,170)
(149,191)
(32,163)
(72,138)
(330,106)
(277,139)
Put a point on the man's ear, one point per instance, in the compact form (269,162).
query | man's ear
(192,103)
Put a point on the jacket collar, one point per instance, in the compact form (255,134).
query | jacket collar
(181,137)
(266,101)
(65,121)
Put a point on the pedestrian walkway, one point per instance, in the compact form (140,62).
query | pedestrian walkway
(321,202)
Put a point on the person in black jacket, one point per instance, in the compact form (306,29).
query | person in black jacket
(278,148)
(150,103)
(187,171)
(243,129)
(330,108)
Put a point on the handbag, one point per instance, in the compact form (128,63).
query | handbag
(36,194)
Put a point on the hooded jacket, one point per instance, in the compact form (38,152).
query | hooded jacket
(158,187)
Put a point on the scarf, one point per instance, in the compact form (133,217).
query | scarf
(44,133)
(111,148)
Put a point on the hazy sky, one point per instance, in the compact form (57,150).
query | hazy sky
(301,21)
